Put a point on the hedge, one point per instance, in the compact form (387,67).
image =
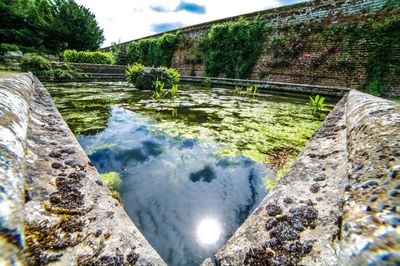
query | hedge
(74,56)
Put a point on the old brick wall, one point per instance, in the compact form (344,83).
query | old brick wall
(324,59)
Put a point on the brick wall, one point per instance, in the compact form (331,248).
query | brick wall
(315,15)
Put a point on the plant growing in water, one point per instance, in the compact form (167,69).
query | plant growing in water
(132,72)
(316,104)
(207,82)
(238,91)
(159,91)
(251,90)
(174,91)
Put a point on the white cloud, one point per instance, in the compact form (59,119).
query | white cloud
(126,20)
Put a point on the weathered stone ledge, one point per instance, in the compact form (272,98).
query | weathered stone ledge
(339,202)
(273,87)
(69,215)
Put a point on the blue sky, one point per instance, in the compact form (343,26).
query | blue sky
(124,20)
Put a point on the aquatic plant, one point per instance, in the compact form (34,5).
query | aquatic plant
(207,82)
(131,72)
(316,104)
(174,112)
(174,91)
(238,91)
(159,91)
(251,90)
(112,180)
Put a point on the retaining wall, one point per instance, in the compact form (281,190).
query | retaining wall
(338,203)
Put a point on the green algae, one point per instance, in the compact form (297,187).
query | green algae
(253,126)
(112,180)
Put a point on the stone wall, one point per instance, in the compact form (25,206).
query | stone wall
(338,203)
(318,63)
(54,206)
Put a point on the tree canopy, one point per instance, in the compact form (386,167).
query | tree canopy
(51,26)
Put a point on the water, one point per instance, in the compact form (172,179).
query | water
(192,169)
(171,186)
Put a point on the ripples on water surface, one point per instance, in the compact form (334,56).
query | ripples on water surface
(192,169)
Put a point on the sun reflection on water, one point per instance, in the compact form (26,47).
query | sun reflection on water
(208,231)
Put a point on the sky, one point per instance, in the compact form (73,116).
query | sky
(125,20)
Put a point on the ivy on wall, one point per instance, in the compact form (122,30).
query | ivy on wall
(153,51)
(385,59)
(231,49)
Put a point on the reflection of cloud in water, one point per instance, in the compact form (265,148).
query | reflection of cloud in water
(170,186)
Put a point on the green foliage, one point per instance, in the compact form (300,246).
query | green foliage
(74,56)
(206,82)
(238,91)
(34,62)
(153,51)
(316,104)
(231,49)
(174,91)
(42,67)
(49,26)
(251,90)
(159,91)
(132,72)
(119,52)
(112,180)
(384,62)
(175,75)
(6,47)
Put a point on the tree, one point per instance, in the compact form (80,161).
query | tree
(50,26)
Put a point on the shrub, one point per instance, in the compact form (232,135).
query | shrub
(132,72)
(34,62)
(144,77)
(119,51)
(42,67)
(74,56)
(6,47)
(153,51)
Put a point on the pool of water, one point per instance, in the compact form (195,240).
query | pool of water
(193,168)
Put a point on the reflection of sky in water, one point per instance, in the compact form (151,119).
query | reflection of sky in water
(185,198)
